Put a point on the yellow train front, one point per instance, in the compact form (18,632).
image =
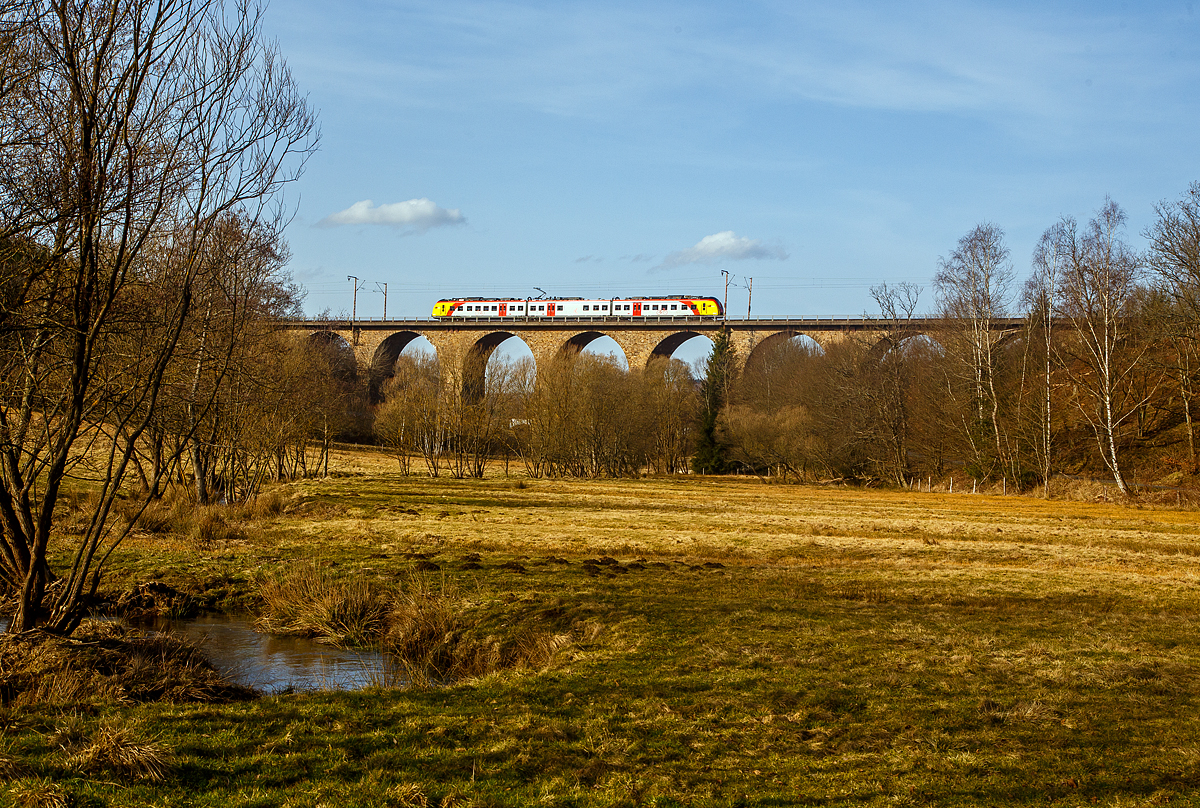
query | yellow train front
(669,306)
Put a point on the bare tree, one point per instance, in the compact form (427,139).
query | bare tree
(412,419)
(1057,250)
(671,403)
(143,123)
(897,305)
(1174,254)
(1098,284)
(973,287)
(1174,257)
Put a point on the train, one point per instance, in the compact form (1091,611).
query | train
(556,307)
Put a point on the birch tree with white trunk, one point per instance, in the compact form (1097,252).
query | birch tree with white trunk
(1099,283)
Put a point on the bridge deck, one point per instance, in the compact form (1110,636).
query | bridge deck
(756,324)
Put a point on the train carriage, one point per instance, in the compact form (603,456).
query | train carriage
(552,308)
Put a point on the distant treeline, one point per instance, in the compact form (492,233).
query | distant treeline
(1102,373)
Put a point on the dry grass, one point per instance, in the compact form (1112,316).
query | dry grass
(429,630)
(37,793)
(705,641)
(123,752)
(742,521)
(106,663)
(309,602)
(209,528)
(435,639)
(10,766)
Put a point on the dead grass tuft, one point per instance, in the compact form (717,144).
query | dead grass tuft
(209,528)
(123,752)
(310,602)
(434,639)
(37,792)
(10,767)
(424,632)
(407,795)
(268,504)
(70,733)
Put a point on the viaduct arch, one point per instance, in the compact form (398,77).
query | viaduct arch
(464,346)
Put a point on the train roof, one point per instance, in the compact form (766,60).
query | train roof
(601,297)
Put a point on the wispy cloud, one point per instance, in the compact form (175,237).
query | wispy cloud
(414,216)
(612,61)
(723,246)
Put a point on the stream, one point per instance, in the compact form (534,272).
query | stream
(275,664)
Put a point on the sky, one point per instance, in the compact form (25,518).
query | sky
(627,148)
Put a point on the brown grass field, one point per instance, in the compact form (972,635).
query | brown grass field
(721,641)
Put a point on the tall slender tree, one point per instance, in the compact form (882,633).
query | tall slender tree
(973,286)
(1098,285)
(1057,249)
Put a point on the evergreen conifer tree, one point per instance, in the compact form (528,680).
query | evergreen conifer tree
(711,454)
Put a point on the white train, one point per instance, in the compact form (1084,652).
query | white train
(553,307)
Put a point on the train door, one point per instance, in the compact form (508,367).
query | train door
(503,309)
(637,308)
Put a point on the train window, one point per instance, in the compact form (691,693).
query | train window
(626,308)
(673,307)
(604,307)
(585,308)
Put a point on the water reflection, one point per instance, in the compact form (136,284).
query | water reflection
(273,664)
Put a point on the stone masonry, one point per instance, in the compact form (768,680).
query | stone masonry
(465,347)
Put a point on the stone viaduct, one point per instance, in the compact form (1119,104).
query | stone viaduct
(465,344)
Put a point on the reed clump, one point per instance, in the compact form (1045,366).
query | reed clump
(308,602)
(434,639)
(427,629)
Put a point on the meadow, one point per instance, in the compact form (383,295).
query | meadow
(721,641)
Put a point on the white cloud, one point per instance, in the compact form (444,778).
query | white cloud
(723,246)
(415,215)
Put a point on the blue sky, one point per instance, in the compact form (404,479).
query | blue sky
(611,148)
